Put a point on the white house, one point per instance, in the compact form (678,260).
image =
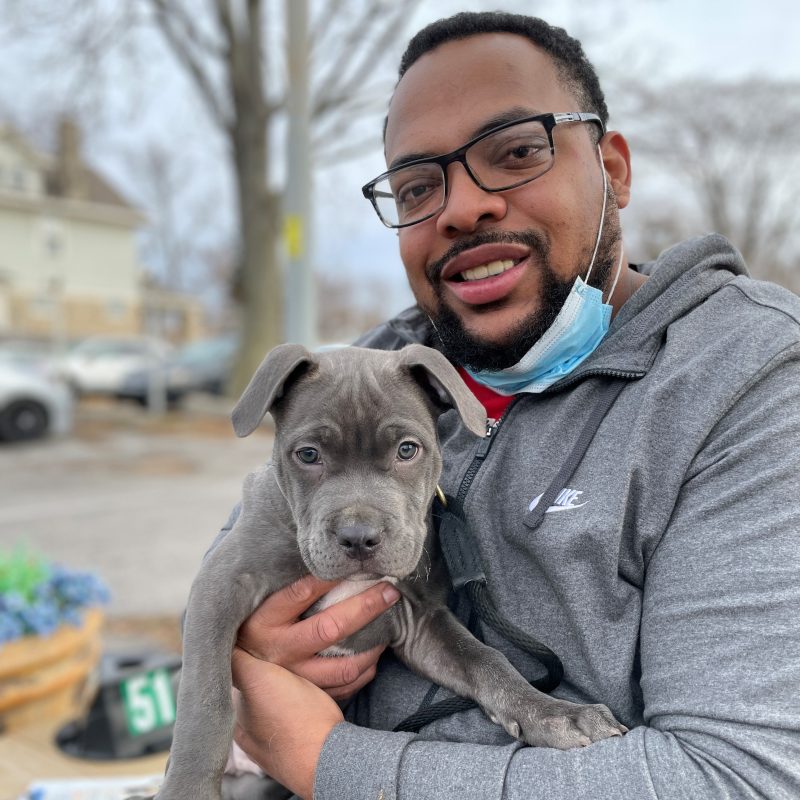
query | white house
(68,264)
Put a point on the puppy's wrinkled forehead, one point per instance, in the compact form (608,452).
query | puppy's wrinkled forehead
(365,388)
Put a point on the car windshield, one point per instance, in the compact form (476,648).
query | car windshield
(207,351)
(107,347)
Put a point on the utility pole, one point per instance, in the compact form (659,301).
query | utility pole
(301,310)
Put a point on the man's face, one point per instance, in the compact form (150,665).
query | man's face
(546,228)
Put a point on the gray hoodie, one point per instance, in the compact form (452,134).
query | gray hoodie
(664,569)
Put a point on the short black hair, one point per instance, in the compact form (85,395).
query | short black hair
(571,63)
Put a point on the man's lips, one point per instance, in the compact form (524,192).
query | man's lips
(484,254)
(478,287)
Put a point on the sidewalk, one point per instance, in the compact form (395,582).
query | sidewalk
(135,499)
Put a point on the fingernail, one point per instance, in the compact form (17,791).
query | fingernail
(390,594)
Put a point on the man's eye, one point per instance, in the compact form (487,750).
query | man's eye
(407,450)
(522,153)
(413,194)
(308,455)
(416,186)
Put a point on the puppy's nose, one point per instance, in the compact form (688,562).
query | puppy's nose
(358,540)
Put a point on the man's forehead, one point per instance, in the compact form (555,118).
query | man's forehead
(460,88)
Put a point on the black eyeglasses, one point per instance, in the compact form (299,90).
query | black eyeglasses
(505,157)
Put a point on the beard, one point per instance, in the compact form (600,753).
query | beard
(467,350)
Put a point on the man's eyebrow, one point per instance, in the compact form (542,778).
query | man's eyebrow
(495,121)
(509,115)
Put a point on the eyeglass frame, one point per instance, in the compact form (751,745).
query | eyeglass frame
(549,122)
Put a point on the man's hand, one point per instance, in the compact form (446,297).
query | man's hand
(275,633)
(283,719)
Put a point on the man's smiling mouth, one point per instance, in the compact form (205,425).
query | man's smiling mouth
(485,270)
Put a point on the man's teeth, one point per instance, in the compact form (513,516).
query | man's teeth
(485,270)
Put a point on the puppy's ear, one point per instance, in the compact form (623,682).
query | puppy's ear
(267,385)
(444,384)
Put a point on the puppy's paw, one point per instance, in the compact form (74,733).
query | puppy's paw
(562,724)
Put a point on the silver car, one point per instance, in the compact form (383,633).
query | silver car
(100,365)
(32,404)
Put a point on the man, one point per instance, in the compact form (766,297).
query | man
(637,510)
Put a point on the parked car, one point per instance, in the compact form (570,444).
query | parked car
(202,366)
(32,404)
(100,365)
(38,355)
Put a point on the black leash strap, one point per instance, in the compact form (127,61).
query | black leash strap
(459,550)
(464,564)
(479,596)
(608,395)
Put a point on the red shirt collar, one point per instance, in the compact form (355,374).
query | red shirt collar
(494,403)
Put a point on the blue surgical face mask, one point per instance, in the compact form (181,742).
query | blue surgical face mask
(575,333)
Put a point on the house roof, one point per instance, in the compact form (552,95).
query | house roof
(96,190)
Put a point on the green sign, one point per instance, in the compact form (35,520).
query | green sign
(149,702)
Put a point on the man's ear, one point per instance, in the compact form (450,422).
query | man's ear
(268,385)
(617,163)
(440,378)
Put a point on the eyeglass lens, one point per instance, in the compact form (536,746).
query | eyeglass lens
(502,160)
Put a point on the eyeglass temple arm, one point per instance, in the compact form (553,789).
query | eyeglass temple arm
(578,116)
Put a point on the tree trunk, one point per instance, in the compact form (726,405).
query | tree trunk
(261,281)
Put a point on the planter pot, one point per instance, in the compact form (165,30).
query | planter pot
(49,677)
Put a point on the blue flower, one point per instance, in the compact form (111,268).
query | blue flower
(40,618)
(57,599)
(11,627)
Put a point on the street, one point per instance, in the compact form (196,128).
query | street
(133,498)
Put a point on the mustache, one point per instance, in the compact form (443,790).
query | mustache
(530,238)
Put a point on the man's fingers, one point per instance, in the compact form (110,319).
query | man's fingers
(287,604)
(338,672)
(343,618)
(341,693)
(273,633)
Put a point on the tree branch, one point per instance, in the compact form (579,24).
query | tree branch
(339,65)
(187,27)
(164,20)
(321,27)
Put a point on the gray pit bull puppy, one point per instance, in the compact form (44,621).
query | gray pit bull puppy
(347,496)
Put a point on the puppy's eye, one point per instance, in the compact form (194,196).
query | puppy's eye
(308,455)
(407,450)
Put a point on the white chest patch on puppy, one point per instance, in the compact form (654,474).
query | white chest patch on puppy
(347,588)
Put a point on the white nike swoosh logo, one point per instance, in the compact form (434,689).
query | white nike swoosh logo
(553,509)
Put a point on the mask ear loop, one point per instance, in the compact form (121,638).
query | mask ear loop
(602,216)
(600,232)
(619,270)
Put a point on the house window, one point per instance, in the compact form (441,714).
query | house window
(53,238)
(54,244)
(19,178)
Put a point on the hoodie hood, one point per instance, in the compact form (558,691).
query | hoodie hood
(680,279)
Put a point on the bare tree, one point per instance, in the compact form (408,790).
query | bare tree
(169,239)
(228,61)
(232,52)
(725,158)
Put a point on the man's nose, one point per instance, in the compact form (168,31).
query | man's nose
(467,205)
